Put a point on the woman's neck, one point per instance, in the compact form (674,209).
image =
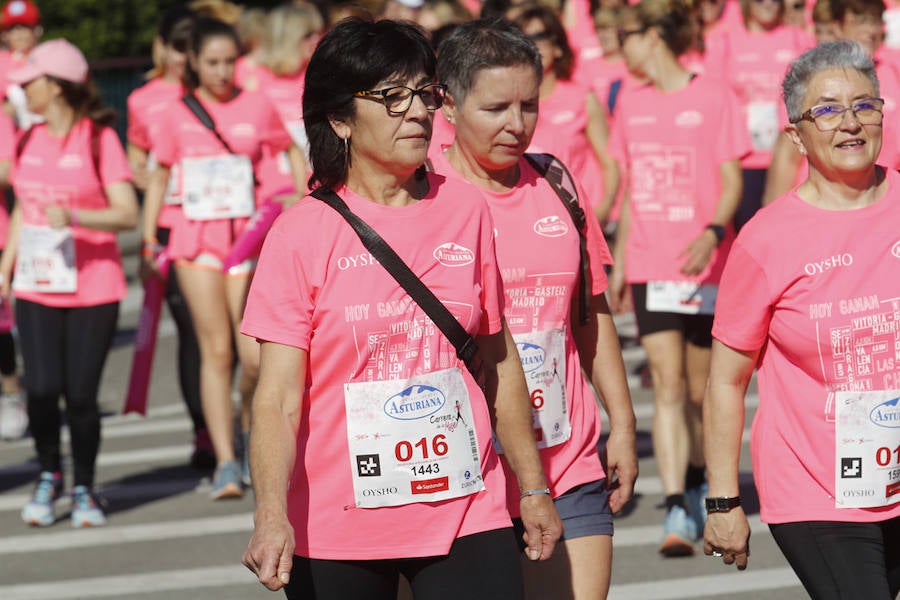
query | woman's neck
(842,191)
(499,180)
(60,118)
(756,26)
(382,187)
(548,84)
(666,74)
(207,95)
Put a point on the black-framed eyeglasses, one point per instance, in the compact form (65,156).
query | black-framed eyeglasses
(397,99)
(622,34)
(829,116)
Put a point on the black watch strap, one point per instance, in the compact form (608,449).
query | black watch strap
(722,504)
(718,230)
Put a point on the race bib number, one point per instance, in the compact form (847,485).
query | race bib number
(762,123)
(412,440)
(867,449)
(45,261)
(684,297)
(543,357)
(217,187)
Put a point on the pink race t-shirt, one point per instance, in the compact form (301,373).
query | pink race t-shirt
(561,131)
(317,288)
(818,289)
(538,253)
(146,106)
(672,145)
(250,124)
(60,171)
(7,153)
(755,66)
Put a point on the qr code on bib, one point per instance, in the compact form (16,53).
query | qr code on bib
(368,465)
(851,468)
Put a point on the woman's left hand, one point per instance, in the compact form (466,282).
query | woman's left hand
(543,526)
(727,535)
(57,216)
(698,253)
(621,468)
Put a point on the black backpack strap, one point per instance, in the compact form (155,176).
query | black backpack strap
(465,345)
(562,182)
(190,100)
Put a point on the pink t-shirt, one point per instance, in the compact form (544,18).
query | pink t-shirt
(146,106)
(755,66)
(537,250)
(8,64)
(561,131)
(250,124)
(60,171)
(672,145)
(442,135)
(7,153)
(319,289)
(889,88)
(819,290)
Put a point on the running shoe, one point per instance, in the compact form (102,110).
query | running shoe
(695,498)
(204,457)
(227,481)
(245,467)
(86,511)
(39,510)
(13,417)
(679,533)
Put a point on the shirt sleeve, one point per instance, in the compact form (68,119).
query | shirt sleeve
(7,138)
(280,303)
(276,135)
(165,147)
(137,133)
(491,283)
(113,162)
(599,255)
(736,144)
(617,144)
(744,304)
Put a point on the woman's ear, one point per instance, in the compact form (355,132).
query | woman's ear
(449,108)
(339,126)
(791,131)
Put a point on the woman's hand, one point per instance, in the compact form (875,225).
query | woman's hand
(543,526)
(621,467)
(270,552)
(698,252)
(619,299)
(728,535)
(57,216)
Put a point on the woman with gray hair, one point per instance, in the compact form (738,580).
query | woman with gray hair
(551,259)
(810,297)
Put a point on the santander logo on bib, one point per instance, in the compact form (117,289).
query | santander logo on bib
(551,226)
(452,254)
(415,402)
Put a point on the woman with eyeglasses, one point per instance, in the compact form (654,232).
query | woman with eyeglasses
(680,138)
(756,58)
(371,449)
(572,123)
(216,176)
(809,298)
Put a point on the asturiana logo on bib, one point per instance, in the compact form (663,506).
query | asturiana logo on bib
(896,249)
(531,355)
(415,402)
(886,414)
(453,255)
(551,226)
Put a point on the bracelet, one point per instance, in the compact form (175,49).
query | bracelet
(536,492)
(151,249)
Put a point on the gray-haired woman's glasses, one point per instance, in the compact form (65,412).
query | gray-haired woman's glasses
(398,99)
(829,116)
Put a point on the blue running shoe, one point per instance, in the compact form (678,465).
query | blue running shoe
(679,533)
(39,510)
(86,511)
(695,498)
(227,481)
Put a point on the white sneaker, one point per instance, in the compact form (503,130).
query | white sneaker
(13,417)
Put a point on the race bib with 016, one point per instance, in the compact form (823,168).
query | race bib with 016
(683,297)
(867,449)
(412,440)
(45,261)
(217,187)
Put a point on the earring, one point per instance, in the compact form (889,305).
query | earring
(346,146)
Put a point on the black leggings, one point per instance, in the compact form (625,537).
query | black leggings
(483,566)
(63,352)
(7,354)
(841,560)
(188,347)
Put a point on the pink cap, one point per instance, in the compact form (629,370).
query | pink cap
(20,12)
(56,58)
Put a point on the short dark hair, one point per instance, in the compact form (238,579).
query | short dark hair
(354,56)
(204,29)
(479,45)
(565,64)
(870,8)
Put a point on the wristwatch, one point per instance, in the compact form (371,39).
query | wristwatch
(719,232)
(722,504)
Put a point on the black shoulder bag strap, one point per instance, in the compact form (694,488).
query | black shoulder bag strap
(465,345)
(190,100)
(552,169)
